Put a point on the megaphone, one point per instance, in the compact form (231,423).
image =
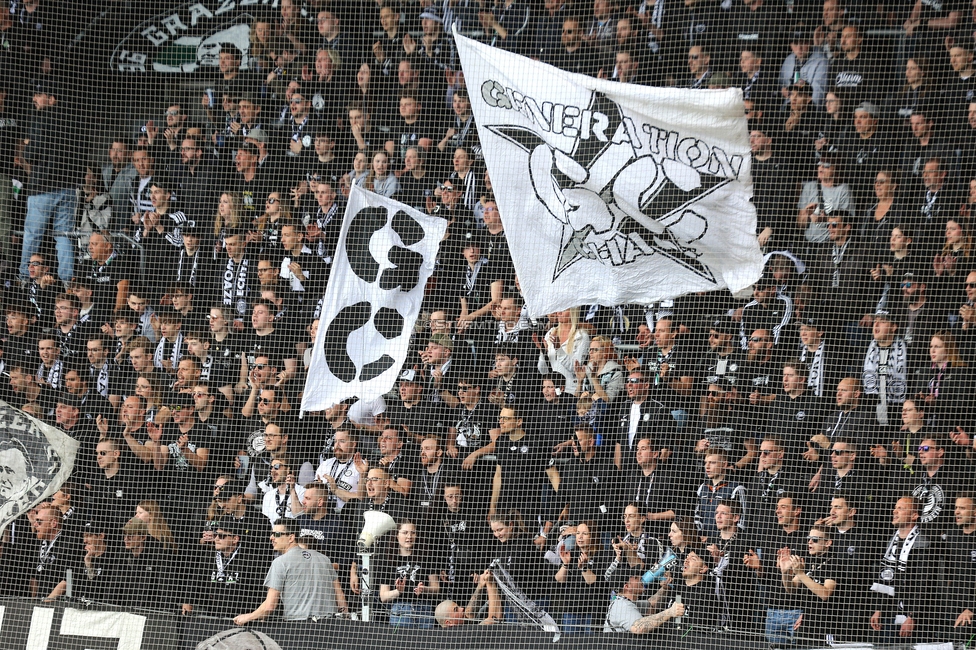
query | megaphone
(657,571)
(377,524)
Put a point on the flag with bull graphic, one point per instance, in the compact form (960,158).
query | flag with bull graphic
(613,193)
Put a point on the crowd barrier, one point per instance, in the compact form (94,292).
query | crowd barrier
(36,625)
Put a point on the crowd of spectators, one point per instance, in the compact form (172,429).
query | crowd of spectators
(805,455)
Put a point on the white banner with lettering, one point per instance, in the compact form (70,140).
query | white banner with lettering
(385,255)
(613,193)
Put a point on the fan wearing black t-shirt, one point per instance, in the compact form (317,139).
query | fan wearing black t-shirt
(410,128)
(268,340)
(520,465)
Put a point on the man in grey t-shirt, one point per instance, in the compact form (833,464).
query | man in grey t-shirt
(625,616)
(303,581)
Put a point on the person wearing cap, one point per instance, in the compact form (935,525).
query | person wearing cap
(724,359)
(434,46)
(506,25)
(804,63)
(886,371)
(922,315)
(259,138)
(476,302)
(252,525)
(97,577)
(800,127)
(181,461)
(451,206)
(721,427)
(229,577)
(769,309)
(251,180)
(411,413)
(301,581)
(52,157)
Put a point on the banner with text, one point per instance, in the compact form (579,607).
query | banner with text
(613,193)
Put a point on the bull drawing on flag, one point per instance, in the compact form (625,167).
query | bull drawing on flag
(614,203)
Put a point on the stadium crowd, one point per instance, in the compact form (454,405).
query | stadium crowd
(805,456)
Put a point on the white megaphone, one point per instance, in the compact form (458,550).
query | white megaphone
(377,524)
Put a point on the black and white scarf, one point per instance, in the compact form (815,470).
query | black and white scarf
(235,285)
(471,275)
(169,350)
(187,266)
(220,575)
(897,554)
(895,364)
(815,368)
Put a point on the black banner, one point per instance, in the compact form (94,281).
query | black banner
(34,625)
(31,625)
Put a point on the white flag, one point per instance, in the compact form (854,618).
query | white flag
(613,193)
(35,460)
(384,257)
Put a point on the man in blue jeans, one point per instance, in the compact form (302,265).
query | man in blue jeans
(53,159)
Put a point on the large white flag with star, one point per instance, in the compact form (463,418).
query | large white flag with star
(613,193)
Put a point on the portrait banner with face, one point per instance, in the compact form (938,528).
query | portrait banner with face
(613,193)
(35,460)
(384,257)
